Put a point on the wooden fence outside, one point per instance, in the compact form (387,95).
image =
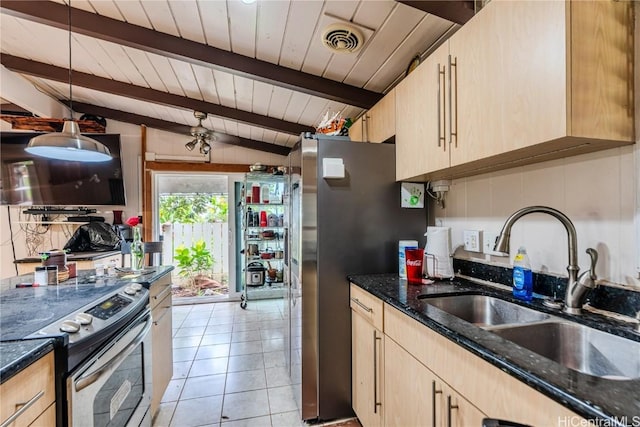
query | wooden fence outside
(215,235)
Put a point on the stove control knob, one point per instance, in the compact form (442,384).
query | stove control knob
(136,286)
(84,318)
(129,290)
(70,326)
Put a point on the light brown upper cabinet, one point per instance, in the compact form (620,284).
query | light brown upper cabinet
(421,130)
(356,130)
(379,123)
(524,82)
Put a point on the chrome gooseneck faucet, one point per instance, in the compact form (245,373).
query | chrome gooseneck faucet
(578,285)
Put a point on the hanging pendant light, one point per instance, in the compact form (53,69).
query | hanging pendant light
(69,144)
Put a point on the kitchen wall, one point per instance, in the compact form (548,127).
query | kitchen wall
(22,237)
(25,238)
(599,192)
(596,191)
(166,143)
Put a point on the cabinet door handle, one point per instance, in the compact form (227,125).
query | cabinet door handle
(453,64)
(375,372)
(364,307)
(441,118)
(365,126)
(24,407)
(449,408)
(434,391)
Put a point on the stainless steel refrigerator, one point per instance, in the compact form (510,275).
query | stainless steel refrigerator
(336,227)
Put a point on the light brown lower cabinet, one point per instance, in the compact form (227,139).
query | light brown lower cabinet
(47,418)
(29,396)
(415,396)
(161,344)
(409,397)
(406,374)
(367,358)
(466,376)
(367,345)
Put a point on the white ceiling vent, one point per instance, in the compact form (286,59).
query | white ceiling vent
(342,38)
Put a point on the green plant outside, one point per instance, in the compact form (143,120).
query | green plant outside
(193,208)
(194,261)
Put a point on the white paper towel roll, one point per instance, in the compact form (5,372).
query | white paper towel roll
(437,253)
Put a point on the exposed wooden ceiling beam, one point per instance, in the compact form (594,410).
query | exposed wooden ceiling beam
(132,118)
(9,108)
(137,119)
(458,11)
(41,124)
(51,72)
(104,28)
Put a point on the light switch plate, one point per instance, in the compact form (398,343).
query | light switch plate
(412,195)
(472,240)
(488,242)
(332,168)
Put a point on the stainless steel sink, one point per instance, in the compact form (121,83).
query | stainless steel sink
(579,348)
(485,311)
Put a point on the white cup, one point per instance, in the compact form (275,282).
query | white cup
(99,270)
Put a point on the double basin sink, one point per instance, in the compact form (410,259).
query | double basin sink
(570,344)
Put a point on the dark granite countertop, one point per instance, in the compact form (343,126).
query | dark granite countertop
(73,256)
(24,311)
(17,355)
(617,402)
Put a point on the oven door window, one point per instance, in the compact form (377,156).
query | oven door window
(109,389)
(118,398)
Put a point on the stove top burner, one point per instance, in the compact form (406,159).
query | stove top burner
(42,317)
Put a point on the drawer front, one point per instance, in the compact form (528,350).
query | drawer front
(367,305)
(47,418)
(30,392)
(159,290)
(409,333)
(162,359)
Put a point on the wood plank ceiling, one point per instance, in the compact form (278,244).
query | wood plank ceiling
(259,69)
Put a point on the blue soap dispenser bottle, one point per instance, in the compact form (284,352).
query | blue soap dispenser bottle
(522,276)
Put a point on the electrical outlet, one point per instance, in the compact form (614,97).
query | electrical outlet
(473,240)
(490,238)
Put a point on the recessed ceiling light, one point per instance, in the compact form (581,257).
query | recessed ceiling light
(248,1)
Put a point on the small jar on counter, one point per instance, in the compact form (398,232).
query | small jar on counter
(40,276)
(52,275)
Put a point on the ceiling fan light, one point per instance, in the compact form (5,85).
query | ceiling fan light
(191,144)
(205,147)
(69,144)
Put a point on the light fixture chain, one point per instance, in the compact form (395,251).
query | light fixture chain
(70,70)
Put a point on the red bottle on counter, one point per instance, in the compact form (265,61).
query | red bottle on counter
(263,219)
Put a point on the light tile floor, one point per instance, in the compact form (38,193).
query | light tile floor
(229,368)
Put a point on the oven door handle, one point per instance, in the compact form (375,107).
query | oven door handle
(86,380)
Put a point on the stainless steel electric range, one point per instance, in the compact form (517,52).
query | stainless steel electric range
(105,330)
